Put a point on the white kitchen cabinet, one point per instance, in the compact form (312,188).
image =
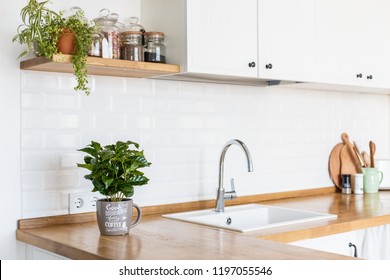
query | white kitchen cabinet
(287,34)
(342,43)
(353,42)
(335,243)
(246,42)
(217,37)
(35,253)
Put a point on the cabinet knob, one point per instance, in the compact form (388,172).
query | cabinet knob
(268,66)
(360,75)
(369,77)
(354,249)
(252,64)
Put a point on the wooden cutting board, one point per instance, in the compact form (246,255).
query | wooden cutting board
(348,162)
(335,165)
(342,160)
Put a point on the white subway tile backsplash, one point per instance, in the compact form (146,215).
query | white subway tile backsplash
(153,104)
(39,80)
(205,106)
(191,122)
(138,87)
(108,85)
(69,160)
(126,103)
(67,82)
(61,140)
(33,181)
(64,179)
(39,120)
(180,105)
(182,127)
(44,203)
(61,101)
(32,100)
(32,141)
(39,161)
(110,121)
(95,103)
(69,121)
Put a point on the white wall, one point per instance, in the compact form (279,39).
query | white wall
(182,127)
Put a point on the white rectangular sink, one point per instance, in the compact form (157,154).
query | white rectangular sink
(249,217)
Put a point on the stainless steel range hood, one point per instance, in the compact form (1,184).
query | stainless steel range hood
(222,79)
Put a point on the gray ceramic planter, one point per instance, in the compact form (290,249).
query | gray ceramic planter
(115,218)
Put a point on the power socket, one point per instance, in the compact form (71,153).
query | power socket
(81,202)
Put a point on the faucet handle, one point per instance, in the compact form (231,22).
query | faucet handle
(231,194)
(232,186)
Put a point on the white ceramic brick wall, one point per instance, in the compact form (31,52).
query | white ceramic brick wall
(182,127)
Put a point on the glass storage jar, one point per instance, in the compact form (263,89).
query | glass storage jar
(131,47)
(155,48)
(109,33)
(96,46)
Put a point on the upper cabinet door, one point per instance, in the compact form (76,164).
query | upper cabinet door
(287,34)
(222,37)
(353,41)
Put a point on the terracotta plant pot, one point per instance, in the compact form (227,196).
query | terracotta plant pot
(66,43)
(115,218)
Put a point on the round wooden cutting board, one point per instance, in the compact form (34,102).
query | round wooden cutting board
(335,165)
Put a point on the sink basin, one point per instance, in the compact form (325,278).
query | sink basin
(249,217)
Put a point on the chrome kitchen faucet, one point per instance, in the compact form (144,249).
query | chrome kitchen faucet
(221,194)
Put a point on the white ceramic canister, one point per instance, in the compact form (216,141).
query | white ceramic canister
(358,183)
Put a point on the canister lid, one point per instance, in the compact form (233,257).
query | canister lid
(154,33)
(131,33)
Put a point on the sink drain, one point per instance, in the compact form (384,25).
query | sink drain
(228,221)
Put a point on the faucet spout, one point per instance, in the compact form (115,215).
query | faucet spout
(221,194)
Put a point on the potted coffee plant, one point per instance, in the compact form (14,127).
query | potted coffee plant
(44,29)
(115,170)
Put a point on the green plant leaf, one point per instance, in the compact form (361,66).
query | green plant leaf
(107,181)
(115,168)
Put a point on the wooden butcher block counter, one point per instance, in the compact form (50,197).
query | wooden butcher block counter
(77,236)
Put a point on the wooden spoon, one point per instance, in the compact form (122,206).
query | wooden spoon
(372,153)
(366,158)
(352,155)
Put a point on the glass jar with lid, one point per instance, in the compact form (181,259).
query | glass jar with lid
(155,48)
(131,46)
(109,34)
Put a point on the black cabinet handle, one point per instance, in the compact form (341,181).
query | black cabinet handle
(252,64)
(354,249)
(268,66)
(360,75)
(369,77)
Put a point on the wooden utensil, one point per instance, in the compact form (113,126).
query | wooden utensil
(366,158)
(357,152)
(350,154)
(372,153)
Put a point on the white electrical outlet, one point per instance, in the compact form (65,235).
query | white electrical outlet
(81,202)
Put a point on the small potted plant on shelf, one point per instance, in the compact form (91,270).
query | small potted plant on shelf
(72,35)
(114,173)
(35,17)
(46,29)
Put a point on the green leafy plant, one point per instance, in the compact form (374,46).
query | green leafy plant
(43,27)
(35,17)
(115,168)
(83,31)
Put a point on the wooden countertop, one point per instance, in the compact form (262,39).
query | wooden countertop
(78,237)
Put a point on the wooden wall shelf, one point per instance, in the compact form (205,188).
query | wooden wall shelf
(101,67)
